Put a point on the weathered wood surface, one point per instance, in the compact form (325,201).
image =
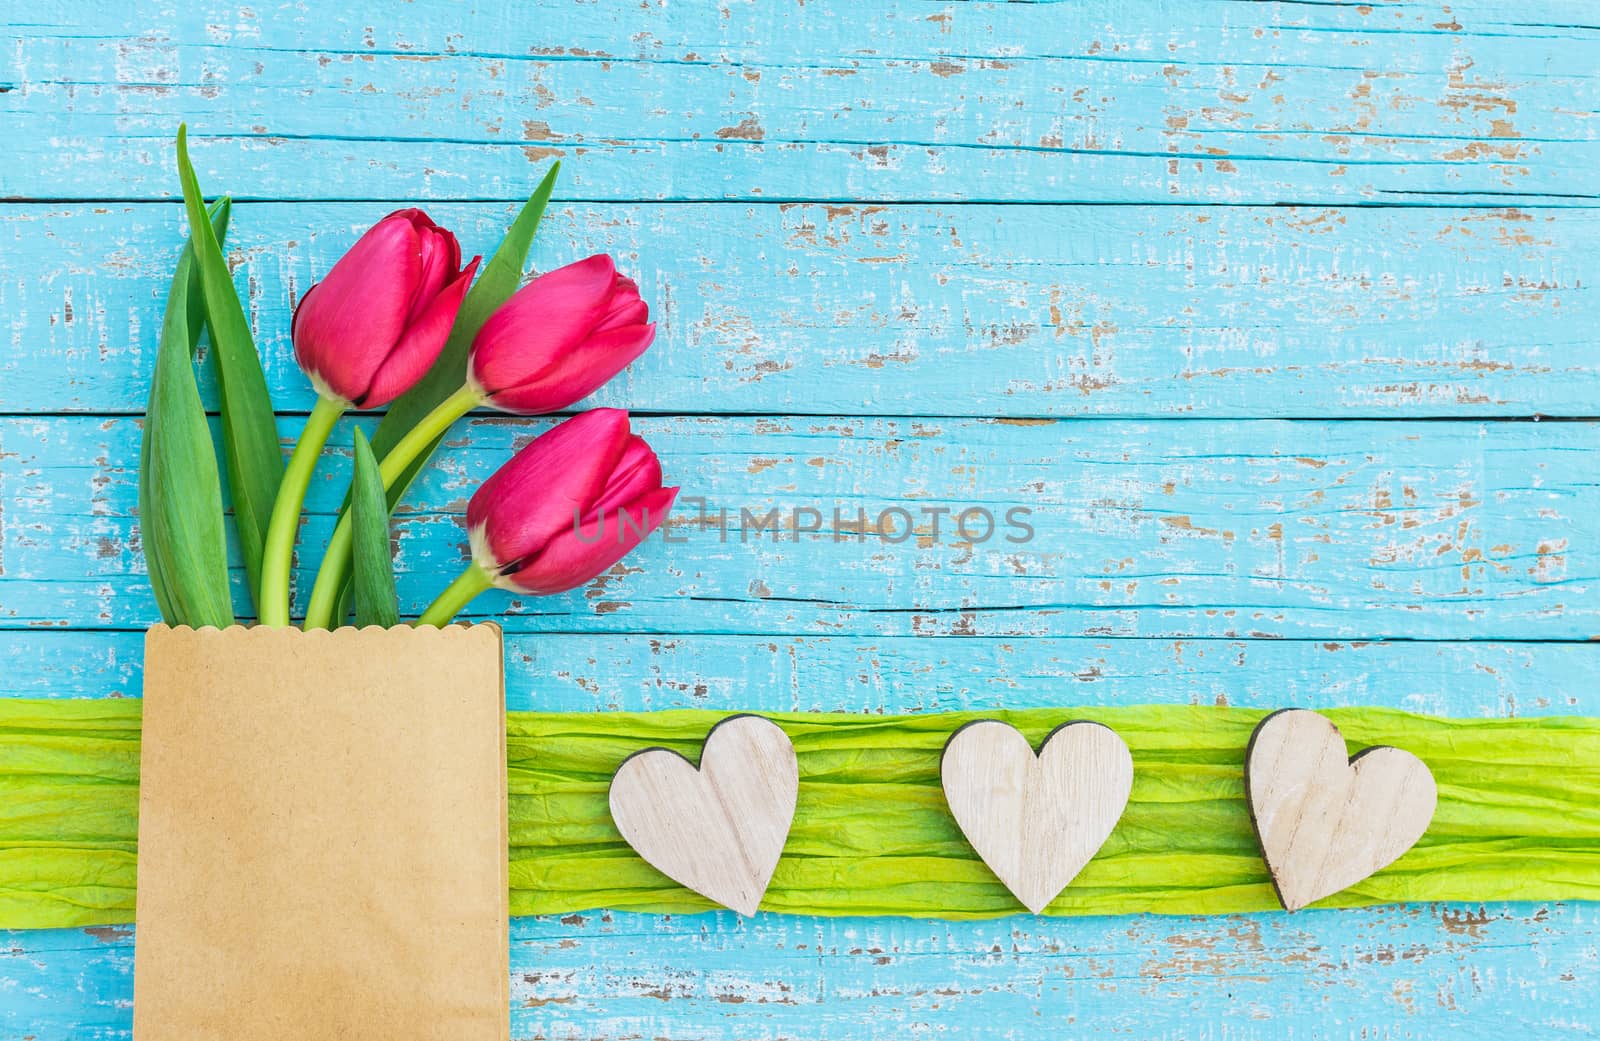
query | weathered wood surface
(1479,973)
(601,672)
(1423,969)
(1181,100)
(1442,530)
(971,310)
(849,209)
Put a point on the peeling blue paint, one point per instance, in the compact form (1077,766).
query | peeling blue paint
(906,254)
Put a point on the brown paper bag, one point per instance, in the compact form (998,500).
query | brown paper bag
(322,836)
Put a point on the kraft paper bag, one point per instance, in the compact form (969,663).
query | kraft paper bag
(322,836)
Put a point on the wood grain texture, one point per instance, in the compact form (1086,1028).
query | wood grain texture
(611,672)
(1425,968)
(956,119)
(972,310)
(1218,529)
(1036,818)
(1326,822)
(1460,971)
(1178,100)
(718,826)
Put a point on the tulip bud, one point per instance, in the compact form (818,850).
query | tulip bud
(560,337)
(377,323)
(563,510)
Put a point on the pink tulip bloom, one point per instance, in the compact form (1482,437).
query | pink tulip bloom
(560,337)
(568,506)
(376,324)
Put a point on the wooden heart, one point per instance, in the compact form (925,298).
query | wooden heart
(719,829)
(1036,820)
(1326,822)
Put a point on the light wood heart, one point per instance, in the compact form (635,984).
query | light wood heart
(1036,820)
(1326,822)
(719,829)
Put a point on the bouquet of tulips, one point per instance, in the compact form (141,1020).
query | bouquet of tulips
(400,323)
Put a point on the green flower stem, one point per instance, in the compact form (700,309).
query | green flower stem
(336,564)
(278,549)
(457,595)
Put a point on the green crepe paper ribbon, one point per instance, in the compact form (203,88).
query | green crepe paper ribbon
(1518,816)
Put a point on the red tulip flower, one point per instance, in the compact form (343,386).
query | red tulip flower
(555,341)
(376,324)
(563,510)
(365,335)
(560,338)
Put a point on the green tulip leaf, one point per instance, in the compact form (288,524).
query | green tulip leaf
(249,429)
(221,213)
(181,525)
(372,566)
(196,317)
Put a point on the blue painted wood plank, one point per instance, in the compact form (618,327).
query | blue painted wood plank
(1466,530)
(1337,530)
(602,672)
(954,310)
(67,983)
(1464,972)
(1415,972)
(1371,972)
(1200,101)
